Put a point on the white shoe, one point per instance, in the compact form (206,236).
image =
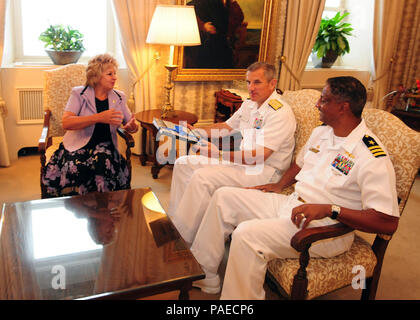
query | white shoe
(208,285)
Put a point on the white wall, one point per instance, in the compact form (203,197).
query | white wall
(361,18)
(315,78)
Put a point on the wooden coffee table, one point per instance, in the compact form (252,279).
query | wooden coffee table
(111,245)
(146,121)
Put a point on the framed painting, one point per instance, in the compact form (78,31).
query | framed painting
(234,34)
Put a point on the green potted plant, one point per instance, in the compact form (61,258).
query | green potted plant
(64,44)
(331,41)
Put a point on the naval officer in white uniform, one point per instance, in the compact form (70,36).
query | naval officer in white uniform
(343,173)
(267,125)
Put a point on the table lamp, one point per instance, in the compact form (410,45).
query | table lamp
(173,25)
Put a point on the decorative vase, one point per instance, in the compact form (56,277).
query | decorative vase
(329,59)
(64,57)
(325,62)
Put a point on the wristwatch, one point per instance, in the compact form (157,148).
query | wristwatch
(335,211)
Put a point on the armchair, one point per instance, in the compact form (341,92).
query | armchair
(303,104)
(308,278)
(56,91)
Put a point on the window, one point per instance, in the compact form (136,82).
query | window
(361,18)
(332,7)
(93,18)
(361,43)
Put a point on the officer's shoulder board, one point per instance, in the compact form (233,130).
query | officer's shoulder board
(373,147)
(275,104)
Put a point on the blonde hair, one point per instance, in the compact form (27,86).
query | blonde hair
(96,66)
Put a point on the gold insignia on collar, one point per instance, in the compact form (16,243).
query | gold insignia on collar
(373,147)
(349,154)
(275,104)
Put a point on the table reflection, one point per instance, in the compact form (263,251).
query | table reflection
(101,242)
(102,212)
(53,233)
(158,222)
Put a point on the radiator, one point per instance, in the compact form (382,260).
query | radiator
(30,109)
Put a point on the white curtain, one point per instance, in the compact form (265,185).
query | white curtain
(133,18)
(4,153)
(302,25)
(386,26)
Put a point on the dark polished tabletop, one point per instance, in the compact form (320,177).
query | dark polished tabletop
(102,245)
(147,116)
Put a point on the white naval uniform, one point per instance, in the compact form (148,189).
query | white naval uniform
(264,228)
(195,178)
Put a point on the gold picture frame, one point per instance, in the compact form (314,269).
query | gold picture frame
(183,73)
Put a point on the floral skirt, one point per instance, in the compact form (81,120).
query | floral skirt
(101,168)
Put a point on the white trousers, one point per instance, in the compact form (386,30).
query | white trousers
(194,180)
(262,230)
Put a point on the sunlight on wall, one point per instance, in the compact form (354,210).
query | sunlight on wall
(361,18)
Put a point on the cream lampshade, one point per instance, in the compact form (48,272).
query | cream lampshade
(174,26)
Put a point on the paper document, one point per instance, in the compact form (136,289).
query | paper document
(175,130)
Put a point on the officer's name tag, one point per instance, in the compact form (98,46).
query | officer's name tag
(314,150)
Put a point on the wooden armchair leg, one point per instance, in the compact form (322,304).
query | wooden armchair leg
(42,172)
(43,143)
(130,143)
(300,281)
(128,158)
(379,247)
(369,292)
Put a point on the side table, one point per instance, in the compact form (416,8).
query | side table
(146,121)
(410,118)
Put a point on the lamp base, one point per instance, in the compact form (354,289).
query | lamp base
(168,112)
(167,108)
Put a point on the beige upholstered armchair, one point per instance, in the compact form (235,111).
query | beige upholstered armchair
(57,88)
(308,278)
(307,115)
(303,104)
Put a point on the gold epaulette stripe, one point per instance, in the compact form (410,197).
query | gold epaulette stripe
(373,147)
(275,104)
(379,153)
